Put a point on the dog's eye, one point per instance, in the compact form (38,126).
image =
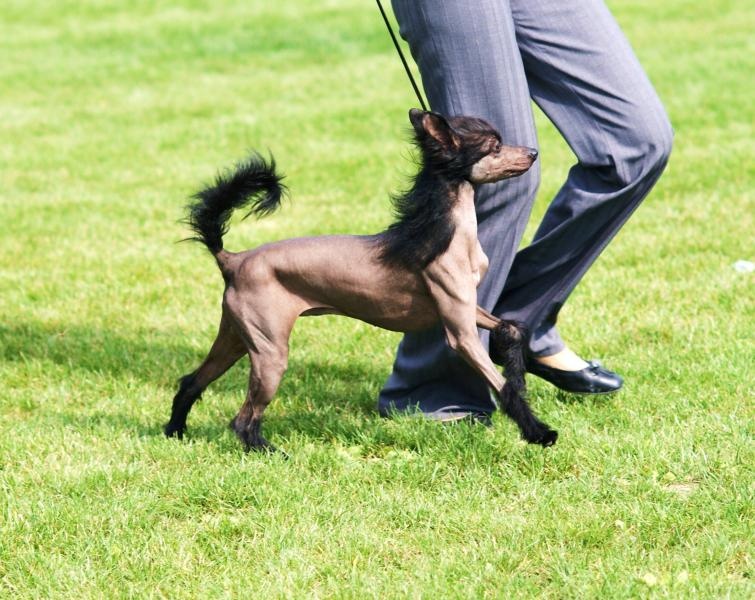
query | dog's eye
(497,147)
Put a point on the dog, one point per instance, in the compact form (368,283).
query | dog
(422,270)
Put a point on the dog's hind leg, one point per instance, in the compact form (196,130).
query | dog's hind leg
(264,377)
(486,320)
(507,344)
(226,350)
(265,322)
(507,339)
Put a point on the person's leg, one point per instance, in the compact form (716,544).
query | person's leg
(584,75)
(470,64)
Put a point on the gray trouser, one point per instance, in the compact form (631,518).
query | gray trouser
(488,58)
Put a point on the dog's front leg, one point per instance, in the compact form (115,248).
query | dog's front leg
(453,289)
(451,284)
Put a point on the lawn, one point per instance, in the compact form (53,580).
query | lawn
(113,113)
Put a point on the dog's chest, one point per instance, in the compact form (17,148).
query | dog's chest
(465,221)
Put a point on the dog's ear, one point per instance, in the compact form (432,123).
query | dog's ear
(415,118)
(434,125)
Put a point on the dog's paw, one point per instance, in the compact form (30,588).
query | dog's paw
(541,435)
(174,431)
(549,438)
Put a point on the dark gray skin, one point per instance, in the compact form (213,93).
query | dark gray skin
(269,287)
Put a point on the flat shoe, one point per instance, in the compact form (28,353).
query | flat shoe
(445,414)
(593,379)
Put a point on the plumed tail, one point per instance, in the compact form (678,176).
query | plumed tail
(252,183)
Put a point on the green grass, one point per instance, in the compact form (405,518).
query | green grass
(112,114)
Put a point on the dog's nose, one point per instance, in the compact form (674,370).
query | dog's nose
(532,153)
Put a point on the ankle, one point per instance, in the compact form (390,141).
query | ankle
(564,360)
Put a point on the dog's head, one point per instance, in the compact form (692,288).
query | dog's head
(467,148)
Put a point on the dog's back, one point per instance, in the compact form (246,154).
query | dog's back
(343,274)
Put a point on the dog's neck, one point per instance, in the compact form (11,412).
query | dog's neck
(424,225)
(442,189)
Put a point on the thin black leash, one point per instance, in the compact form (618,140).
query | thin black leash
(401,55)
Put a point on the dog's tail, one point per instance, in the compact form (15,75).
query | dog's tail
(508,339)
(252,183)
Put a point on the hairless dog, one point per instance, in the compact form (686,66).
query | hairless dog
(421,271)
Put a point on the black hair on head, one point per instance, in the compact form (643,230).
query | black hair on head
(448,148)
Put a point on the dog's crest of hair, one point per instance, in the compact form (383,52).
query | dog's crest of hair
(423,229)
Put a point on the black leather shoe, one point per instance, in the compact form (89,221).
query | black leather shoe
(593,379)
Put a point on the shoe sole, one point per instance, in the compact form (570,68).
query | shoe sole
(439,417)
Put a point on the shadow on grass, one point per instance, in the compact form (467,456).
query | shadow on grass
(148,356)
(336,405)
(319,399)
(153,357)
